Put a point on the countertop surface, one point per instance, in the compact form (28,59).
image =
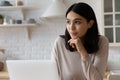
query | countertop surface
(4,75)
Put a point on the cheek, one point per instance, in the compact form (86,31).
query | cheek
(68,28)
(82,31)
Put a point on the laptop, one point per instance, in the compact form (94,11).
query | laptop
(32,70)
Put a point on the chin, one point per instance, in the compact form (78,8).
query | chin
(73,37)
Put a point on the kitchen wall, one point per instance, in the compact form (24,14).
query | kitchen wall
(41,38)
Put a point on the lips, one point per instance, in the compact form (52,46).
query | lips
(73,34)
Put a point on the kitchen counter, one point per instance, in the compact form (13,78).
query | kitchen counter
(4,75)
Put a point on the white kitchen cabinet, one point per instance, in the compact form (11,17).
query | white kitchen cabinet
(111,21)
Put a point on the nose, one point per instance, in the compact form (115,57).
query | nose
(72,27)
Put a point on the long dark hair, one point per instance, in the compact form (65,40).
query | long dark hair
(91,38)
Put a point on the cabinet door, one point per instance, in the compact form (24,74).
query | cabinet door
(112,20)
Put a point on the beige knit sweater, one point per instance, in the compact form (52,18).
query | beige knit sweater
(71,67)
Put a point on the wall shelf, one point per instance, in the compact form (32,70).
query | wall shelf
(3,8)
(21,10)
(17,25)
(25,26)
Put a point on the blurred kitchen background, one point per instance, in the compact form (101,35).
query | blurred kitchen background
(28,32)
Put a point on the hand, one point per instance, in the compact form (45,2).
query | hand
(77,44)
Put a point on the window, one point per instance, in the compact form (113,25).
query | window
(112,20)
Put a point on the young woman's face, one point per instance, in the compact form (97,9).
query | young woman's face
(77,25)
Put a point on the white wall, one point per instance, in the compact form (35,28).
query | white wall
(18,46)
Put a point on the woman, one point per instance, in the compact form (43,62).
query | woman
(81,54)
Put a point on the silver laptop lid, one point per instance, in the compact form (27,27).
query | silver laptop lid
(32,70)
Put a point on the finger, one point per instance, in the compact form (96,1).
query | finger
(69,41)
(72,45)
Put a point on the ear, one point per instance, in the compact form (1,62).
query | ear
(90,24)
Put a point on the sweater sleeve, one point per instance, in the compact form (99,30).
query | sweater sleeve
(95,70)
(54,55)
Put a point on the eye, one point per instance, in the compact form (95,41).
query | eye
(77,22)
(67,21)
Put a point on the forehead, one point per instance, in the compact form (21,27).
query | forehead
(74,16)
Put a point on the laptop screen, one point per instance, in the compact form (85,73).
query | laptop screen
(32,70)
